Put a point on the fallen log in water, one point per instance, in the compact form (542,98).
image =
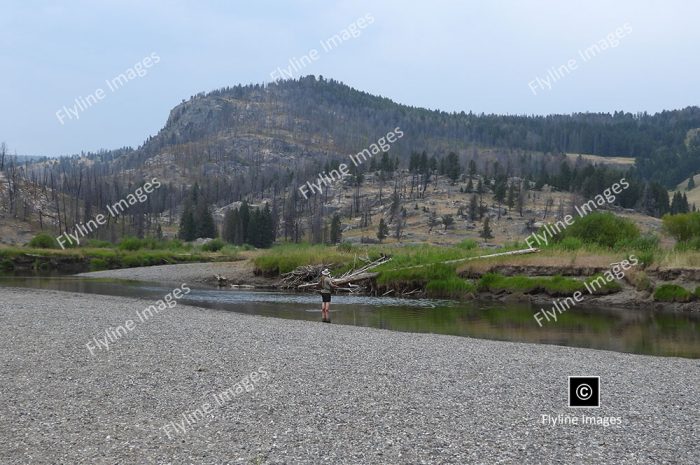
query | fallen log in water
(356,275)
(346,280)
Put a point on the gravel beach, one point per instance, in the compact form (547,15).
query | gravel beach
(238,272)
(321,393)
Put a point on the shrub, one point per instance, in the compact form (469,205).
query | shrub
(646,258)
(98,244)
(683,226)
(641,281)
(672,293)
(43,241)
(599,228)
(571,244)
(130,243)
(344,247)
(468,244)
(131,261)
(691,245)
(97,264)
(7,265)
(214,245)
(645,243)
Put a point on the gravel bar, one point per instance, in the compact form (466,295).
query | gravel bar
(332,394)
(238,272)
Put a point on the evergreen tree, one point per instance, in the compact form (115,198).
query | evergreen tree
(691,183)
(382,230)
(187,230)
(486,232)
(204,221)
(473,208)
(230,230)
(452,167)
(268,232)
(244,217)
(472,169)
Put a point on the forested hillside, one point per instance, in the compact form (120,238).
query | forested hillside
(260,142)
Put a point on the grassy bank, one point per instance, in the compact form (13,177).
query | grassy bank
(101,255)
(421,269)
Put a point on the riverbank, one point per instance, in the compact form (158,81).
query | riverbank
(332,394)
(628,294)
(237,273)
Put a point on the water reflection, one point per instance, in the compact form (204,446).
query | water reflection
(668,334)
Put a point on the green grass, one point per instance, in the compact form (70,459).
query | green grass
(108,258)
(438,280)
(553,286)
(452,288)
(609,287)
(672,293)
(287,257)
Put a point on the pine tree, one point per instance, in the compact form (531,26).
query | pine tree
(268,232)
(230,228)
(452,167)
(472,168)
(473,208)
(187,230)
(382,230)
(204,221)
(486,232)
(691,183)
(244,219)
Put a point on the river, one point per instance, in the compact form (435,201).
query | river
(634,331)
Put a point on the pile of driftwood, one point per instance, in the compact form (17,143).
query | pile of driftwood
(302,275)
(305,277)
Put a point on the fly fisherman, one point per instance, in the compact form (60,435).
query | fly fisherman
(326,285)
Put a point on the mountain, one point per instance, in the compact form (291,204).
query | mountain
(318,117)
(260,142)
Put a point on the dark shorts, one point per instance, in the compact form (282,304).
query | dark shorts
(326,297)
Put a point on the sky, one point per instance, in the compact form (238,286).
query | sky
(507,57)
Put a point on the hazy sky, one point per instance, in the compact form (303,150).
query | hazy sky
(481,56)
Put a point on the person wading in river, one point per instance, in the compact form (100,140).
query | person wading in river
(326,285)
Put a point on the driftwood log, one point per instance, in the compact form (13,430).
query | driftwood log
(349,278)
(305,277)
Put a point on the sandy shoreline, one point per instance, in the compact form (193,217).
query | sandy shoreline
(334,394)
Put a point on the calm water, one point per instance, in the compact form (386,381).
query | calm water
(667,334)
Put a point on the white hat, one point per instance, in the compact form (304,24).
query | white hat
(326,272)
